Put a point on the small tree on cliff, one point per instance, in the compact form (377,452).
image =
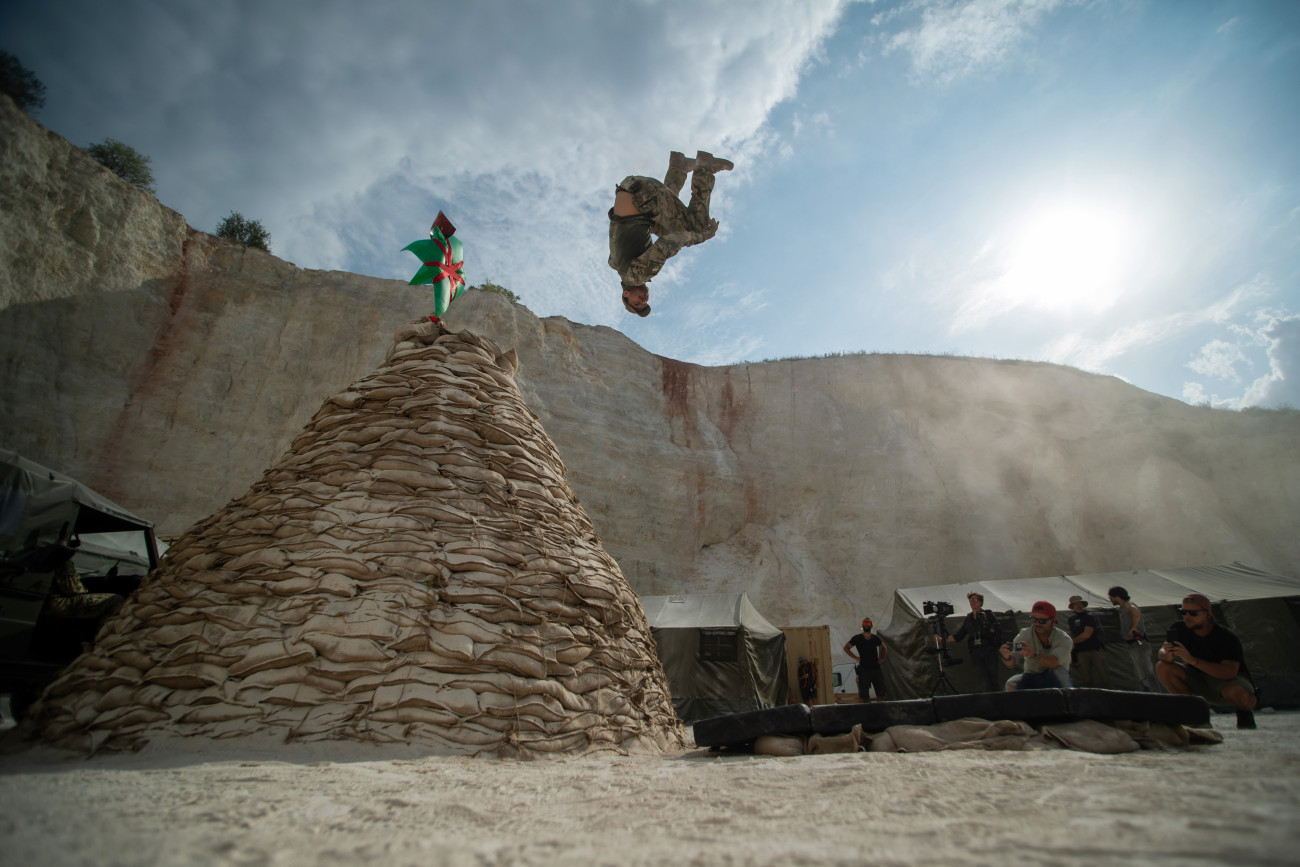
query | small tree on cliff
(124,161)
(499,289)
(20,84)
(250,233)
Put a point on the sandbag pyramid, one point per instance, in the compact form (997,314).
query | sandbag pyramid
(415,569)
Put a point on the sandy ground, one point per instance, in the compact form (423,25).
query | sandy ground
(242,803)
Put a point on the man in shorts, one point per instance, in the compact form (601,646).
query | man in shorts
(1200,657)
(644,206)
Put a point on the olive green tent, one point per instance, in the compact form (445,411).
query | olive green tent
(1262,608)
(719,654)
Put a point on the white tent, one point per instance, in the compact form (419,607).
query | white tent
(1262,608)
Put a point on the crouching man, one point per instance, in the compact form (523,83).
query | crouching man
(1044,650)
(1203,658)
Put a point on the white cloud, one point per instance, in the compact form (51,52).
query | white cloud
(344,129)
(1219,360)
(1280,387)
(955,38)
(1077,350)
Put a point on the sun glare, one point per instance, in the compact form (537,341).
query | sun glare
(1066,258)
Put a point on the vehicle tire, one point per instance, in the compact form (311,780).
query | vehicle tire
(739,728)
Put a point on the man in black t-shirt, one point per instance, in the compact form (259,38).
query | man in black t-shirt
(1087,658)
(1203,658)
(870,653)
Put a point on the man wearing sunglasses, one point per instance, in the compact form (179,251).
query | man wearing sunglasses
(1200,657)
(1044,650)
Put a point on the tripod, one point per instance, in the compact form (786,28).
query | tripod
(940,632)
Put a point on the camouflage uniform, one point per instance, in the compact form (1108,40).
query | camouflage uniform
(631,252)
(69,598)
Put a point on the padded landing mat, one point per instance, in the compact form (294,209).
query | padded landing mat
(1035,706)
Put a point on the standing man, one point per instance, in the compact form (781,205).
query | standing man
(871,652)
(1201,657)
(643,206)
(1044,649)
(1088,657)
(983,637)
(1135,638)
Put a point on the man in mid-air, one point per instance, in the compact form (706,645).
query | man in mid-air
(644,206)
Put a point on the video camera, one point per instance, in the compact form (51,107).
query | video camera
(936,609)
(935,612)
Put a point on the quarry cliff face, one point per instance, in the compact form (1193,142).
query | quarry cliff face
(168,369)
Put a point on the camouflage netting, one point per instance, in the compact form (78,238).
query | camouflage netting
(416,569)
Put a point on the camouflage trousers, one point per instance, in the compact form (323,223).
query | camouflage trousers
(659,201)
(83,606)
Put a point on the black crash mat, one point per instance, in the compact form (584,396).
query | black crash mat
(834,719)
(737,728)
(1186,710)
(1028,705)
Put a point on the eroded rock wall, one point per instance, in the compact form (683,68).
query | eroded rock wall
(817,485)
(821,485)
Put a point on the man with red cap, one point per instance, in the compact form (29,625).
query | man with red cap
(1044,650)
(870,653)
(1203,658)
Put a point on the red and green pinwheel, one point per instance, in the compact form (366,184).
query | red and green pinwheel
(443,265)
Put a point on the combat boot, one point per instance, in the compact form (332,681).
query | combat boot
(679,166)
(707,162)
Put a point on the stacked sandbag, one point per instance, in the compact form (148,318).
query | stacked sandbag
(415,569)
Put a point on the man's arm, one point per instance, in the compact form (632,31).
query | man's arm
(1084,635)
(884,651)
(1225,670)
(644,267)
(1135,614)
(960,633)
(848,649)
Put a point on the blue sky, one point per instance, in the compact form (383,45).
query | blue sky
(1109,184)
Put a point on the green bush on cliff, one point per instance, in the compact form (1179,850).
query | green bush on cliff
(20,84)
(250,233)
(124,161)
(497,288)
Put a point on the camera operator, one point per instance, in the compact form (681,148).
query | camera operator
(871,652)
(1044,649)
(1203,658)
(983,636)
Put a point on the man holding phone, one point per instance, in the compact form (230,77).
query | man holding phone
(1200,657)
(1044,650)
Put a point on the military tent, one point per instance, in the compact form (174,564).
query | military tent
(720,655)
(1262,608)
